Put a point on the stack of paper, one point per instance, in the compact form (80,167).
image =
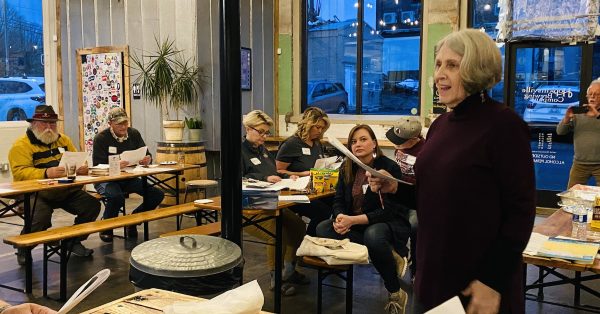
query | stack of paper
(294,198)
(99,170)
(582,252)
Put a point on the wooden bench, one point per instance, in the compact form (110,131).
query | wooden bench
(54,240)
(122,210)
(324,270)
(213,229)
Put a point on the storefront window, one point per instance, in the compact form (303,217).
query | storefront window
(22,85)
(390,56)
(484,16)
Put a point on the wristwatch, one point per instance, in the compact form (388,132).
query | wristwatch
(4,308)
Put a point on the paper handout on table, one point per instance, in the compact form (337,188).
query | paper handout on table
(334,141)
(294,198)
(246,299)
(535,243)
(85,290)
(582,252)
(299,184)
(134,156)
(77,158)
(452,306)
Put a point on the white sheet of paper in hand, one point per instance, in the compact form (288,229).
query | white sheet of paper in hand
(337,144)
(134,156)
(85,290)
(78,158)
(452,306)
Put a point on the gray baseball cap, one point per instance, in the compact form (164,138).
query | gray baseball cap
(404,130)
(117,115)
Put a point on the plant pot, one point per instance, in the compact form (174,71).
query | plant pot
(173,130)
(195,134)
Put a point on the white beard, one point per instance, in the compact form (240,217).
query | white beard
(46,136)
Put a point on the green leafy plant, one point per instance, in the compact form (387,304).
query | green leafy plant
(193,123)
(167,79)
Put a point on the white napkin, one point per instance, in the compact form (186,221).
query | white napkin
(246,299)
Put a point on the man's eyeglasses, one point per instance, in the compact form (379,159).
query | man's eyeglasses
(261,132)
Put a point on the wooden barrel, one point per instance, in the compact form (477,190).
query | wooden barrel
(194,154)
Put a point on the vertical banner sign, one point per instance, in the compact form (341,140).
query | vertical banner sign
(103,84)
(552,159)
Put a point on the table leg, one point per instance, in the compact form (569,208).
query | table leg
(577,292)
(179,217)
(27,229)
(278,262)
(144,200)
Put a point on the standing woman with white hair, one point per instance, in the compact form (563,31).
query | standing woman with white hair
(475,185)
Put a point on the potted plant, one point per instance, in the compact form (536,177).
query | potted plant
(170,82)
(194,126)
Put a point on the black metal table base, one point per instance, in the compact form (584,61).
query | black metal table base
(63,251)
(576,281)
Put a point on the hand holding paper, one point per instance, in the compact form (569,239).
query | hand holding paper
(133,157)
(73,158)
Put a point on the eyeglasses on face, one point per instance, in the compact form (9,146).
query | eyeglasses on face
(262,132)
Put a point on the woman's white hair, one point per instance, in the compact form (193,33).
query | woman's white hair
(481,64)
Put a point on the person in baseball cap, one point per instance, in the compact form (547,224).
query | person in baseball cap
(114,140)
(406,129)
(117,115)
(406,136)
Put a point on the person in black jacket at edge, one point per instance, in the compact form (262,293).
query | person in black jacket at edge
(378,221)
(259,164)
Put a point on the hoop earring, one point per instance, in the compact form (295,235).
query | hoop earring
(374,152)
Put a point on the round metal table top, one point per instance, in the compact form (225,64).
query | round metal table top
(186,256)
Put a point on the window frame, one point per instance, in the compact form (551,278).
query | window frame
(359,60)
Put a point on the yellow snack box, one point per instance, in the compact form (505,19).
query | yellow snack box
(596,216)
(324,180)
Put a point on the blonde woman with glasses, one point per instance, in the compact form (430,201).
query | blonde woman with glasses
(259,164)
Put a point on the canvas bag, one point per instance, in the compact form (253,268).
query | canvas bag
(334,252)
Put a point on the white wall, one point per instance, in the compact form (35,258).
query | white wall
(11,131)
(194,25)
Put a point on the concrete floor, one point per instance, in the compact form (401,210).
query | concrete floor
(369,294)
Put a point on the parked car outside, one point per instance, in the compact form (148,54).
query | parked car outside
(549,103)
(20,96)
(329,96)
(408,85)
